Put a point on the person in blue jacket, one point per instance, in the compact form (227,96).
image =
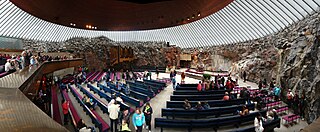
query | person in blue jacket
(276,92)
(138,119)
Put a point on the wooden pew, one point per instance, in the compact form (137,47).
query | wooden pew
(214,123)
(195,92)
(212,103)
(197,97)
(193,113)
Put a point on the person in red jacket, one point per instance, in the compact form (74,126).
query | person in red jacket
(228,84)
(199,87)
(65,110)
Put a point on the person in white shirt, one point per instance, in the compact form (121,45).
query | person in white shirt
(8,67)
(258,124)
(113,110)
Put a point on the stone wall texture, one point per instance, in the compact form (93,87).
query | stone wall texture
(95,51)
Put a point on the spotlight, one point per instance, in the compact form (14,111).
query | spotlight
(188,18)
(71,24)
(199,14)
(89,26)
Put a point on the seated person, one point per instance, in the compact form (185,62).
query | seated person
(177,86)
(127,90)
(275,114)
(199,106)
(88,102)
(245,111)
(84,99)
(186,105)
(82,127)
(232,97)
(267,118)
(150,89)
(91,104)
(226,97)
(118,86)
(113,96)
(206,105)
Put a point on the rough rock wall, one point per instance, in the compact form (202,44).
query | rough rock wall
(147,53)
(220,63)
(95,50)
(256,58)
(300,71)
(172,55)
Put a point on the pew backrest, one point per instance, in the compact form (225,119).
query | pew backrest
(194,113)
(212,103)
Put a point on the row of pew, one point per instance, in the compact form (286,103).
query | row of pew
(95,117)
(214,123)
(95,76)
(101,90)
(102,94)
(125,98)
(133,93)
(220,113)
(194,113)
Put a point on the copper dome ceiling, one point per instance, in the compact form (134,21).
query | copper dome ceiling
(121,15)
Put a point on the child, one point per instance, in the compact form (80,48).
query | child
(124,127)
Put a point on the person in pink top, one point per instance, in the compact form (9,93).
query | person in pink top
(226,97)
(199,87)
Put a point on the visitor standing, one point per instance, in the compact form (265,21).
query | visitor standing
(199,87)
(296,103)
(244,76)
(148,115)
(173,79)
(222,81)
(149,74)
(258,124)
(302,106)
(289,98)
(138,119)
(183,76)
(260,84)
(127,75)
(125,116)
(157,72)
(113,110)
(65,110)
(276,92)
